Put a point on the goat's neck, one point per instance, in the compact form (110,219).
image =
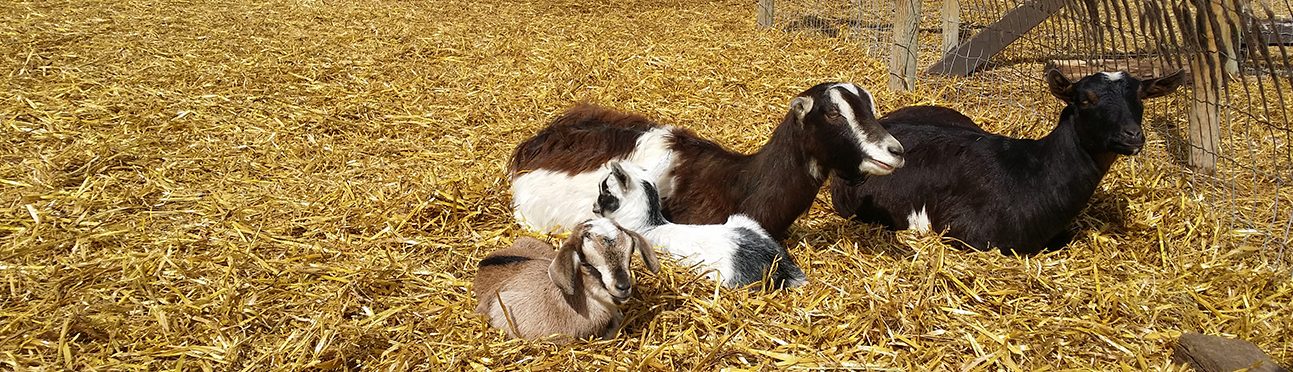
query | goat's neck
(1068,159)
(777,178)
(588,295)
(642,222)
(578,300)
(642,214)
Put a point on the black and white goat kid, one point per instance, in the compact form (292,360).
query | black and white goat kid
(736,253)
(988,190)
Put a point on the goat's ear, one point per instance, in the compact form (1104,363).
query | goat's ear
(564,271)
(1061,86)
(1162,85)
(621,177)
(646,250)
(800,106)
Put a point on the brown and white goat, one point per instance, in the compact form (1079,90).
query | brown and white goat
(831,128)
(530,291)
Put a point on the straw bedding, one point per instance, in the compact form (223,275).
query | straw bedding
(236,185)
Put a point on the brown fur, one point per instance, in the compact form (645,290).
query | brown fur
(582,139)
(772,186)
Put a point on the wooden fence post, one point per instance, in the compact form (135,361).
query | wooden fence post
(1206,69)
(765,13)
(1229,20)
(902,61)
(951,16)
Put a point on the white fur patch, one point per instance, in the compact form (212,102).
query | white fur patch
(707,248)
(848,86)
(1114,76)
(741,220)
(814,169)
(918,221)
(551,201)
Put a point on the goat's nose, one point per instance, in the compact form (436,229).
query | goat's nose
(622,286)
(1134,134)
(896,150)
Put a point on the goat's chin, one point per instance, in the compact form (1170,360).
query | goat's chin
(876,168)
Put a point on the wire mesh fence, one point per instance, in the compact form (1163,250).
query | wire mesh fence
(1228,132)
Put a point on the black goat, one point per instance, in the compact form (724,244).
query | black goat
(991,191)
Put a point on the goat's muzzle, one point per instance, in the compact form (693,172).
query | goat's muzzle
(1128,142)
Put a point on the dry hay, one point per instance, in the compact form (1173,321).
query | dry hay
(236,185)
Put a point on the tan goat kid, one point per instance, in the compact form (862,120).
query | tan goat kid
(530,291)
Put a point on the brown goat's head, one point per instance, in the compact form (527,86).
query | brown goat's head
(843,133)
(602,250)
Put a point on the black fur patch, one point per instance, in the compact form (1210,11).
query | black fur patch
(502,260)
(654,213)
(755,255)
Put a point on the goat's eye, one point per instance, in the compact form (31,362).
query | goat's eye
(1088,99)
(592,270)
(833,114)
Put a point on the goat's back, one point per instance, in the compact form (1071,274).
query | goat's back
(525,256)
(929,115)
(580,140)
(739,251)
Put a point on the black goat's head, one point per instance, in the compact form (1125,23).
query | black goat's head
(1108,106)
(843,133)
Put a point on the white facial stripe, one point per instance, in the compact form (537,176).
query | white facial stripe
(857,91)
(601,264)
(849,87)
(871,99)
(1114,76)
(846,110)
